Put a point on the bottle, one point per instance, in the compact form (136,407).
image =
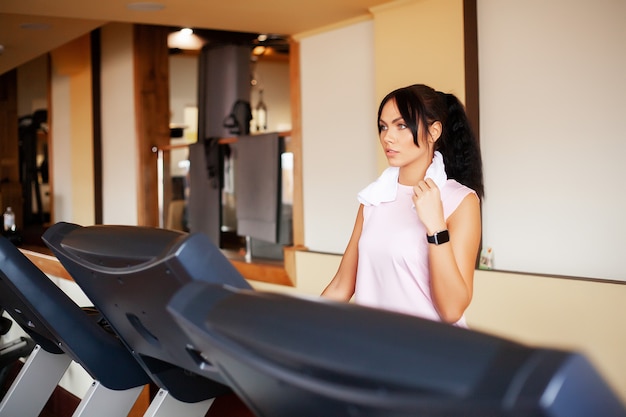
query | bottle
(9,221)
(261,114)
(486,259)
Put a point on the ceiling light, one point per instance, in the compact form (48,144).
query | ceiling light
(34,26)
(258,50)
(145,6)
(184,39)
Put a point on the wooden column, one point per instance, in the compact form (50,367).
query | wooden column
(152,107)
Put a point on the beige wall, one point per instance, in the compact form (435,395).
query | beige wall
(419,42)
(72,133)
(119,126)
(585,316)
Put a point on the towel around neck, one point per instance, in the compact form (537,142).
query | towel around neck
(385,188)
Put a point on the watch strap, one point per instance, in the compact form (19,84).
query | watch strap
(439,237)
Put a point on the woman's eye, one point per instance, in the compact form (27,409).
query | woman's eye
(381,128)
(402,126)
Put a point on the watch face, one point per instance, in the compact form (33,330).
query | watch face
(439,237)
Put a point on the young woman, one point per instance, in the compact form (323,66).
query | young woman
(417,232)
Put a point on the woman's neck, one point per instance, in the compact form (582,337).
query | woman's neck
(413,173)
(411,176)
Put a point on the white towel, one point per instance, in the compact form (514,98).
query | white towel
(437,170)
(385,188)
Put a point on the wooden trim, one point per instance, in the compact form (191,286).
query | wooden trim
(47,263)
(470,28)
(272,273)
(296,142)
(62,403)
(50,133)
(256,271)
(96,93)
(472,102)
(289,263)
(142,403)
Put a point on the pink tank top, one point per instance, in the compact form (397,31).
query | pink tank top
(393,272)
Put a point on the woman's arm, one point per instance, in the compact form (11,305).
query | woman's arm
(451,264)
(341,287)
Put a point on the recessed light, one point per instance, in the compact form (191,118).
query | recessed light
(34,26)
(145,6)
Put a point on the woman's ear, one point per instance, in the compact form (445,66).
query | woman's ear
(434,131)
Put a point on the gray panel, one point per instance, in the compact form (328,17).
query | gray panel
(257,184)
(224,72)
(204,195)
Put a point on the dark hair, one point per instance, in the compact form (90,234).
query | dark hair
(422,105)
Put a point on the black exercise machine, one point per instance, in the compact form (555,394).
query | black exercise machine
(63,332)
(130,273)
(11,352)
(288,356)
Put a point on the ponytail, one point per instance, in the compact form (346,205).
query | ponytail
(459,146)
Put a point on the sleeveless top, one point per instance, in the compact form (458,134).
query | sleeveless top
(393,270)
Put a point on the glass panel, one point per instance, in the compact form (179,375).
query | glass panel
(173,208)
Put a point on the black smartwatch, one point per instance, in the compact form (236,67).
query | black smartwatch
(439,237)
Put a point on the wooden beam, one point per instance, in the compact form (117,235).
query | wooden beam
(152,107)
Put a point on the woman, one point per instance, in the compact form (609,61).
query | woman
(417,232)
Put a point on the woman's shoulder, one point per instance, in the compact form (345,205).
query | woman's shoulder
(452,194)
(454,187)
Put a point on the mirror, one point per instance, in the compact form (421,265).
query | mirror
(33,145)
(269,102)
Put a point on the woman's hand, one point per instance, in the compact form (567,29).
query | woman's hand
(427,201)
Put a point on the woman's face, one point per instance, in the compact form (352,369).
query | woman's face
(396,139)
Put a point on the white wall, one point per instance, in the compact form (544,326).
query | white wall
(339,131)
(119,133)
(552,88)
